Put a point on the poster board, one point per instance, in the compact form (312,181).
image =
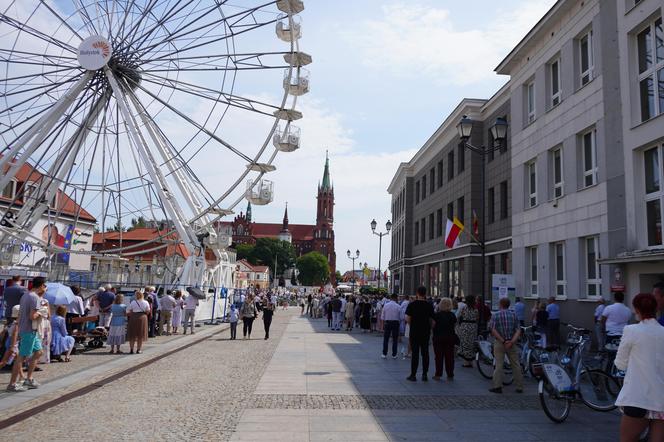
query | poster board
(502,286)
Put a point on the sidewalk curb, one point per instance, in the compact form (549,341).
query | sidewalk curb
(34,405)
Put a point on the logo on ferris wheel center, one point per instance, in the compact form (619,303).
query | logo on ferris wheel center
(94,52)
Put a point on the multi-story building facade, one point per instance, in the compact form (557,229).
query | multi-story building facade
(443,181)
(568,187)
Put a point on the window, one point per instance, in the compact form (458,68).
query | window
(450,211)
(491,202)
(432,180)
(460,209)
(589,160)
(417,192)
(531,174)
(462,158)
(530,102)
(554,72)
(440,173)
(557,160)
(593,275)
(504,212)
(424,187)
(417,232)
(586,57)
(431,226)
(450,165)
(654,194)
(559,268)
(531,255)
(10,190)
(650,46)
(439,222)
(423,230)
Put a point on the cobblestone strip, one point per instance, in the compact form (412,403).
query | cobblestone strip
(389,402)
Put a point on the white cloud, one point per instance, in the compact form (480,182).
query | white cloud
(412,40)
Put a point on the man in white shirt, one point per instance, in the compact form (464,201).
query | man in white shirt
(390,315)
(616,316)
(167,306)
(190,305)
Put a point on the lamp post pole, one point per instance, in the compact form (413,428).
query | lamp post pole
(353,258)
(499,134)
(388,227)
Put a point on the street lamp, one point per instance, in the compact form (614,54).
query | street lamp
(357,255)
(388,227)
(499,134)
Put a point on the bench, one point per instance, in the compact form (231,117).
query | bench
(94,340)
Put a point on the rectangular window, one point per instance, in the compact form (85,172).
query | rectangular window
(531,255)
(531,174)
(589,160)
(586,57)
(417,192)
(450,165)
(431,226)
(9,190)
(491,203)
(462,158)
(424,187)
(450,211)
(460,209)
(423,230)
(530,102)
(440,173)
(432,180)
(439,223)
(559,268)
(504,206)
(557,166)
(554,72)
(654,174)
(593,275)
(650,52)
(417,232)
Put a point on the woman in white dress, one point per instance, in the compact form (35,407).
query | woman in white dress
(176,319)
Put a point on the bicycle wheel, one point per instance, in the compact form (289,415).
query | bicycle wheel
(598,390)
(555,406)
(484,366)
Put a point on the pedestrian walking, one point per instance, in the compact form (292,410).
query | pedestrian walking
(12,295)
(268,313)
(165,316)
(520,311)
(248,314)
(30,345)
(300,300)
(504,326)
(44,329)
(349,313)
(444,339)
(390,318)
(404,329)
(12,352)
(419,315)
(553,323)
(137,327)
(117,332)
(640,355)
(600,337)
(151,298)
(310,305)
(177,311)
(233,317)
(61,342)
(467,316)
(190,304)
(337,313)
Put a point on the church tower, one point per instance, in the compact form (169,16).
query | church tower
(324,232)
(285,234)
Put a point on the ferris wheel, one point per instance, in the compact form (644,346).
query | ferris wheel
(170,109)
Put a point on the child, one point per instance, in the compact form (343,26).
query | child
(11,352)
(233,317)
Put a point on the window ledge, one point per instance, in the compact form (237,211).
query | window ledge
(590,299)
(532,207)
(647,121)
(532,297)
(561,298)
(552,107)
(583,86)
(588,187)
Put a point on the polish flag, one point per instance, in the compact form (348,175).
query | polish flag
(452,232)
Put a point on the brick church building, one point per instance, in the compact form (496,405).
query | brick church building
(305,238)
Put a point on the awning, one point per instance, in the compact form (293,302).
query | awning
(637,256)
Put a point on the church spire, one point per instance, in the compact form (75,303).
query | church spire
(285,221)
(326,174)
(249,211)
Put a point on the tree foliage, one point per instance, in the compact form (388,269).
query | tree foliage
(314,269)
(245,251)
(138,222)
(338,276)
(266,250)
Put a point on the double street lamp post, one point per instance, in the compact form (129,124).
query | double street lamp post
(388,227)
(499,134)
(357,255)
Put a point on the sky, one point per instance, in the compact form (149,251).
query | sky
(384,77)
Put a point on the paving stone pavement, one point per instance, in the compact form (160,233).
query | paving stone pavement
(305,383)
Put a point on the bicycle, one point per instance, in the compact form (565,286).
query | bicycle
(486,363)
(572,380)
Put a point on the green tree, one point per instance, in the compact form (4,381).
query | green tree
(267,250)
(338,276)
(245,251)
(314,269)
(138,223)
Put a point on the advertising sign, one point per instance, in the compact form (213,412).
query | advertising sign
(502,286)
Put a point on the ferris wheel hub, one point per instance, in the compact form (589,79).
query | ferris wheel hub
(94,52)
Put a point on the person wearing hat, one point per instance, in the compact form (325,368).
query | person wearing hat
(11,351)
